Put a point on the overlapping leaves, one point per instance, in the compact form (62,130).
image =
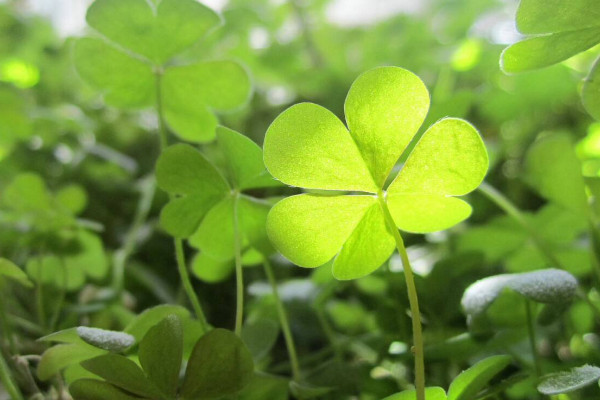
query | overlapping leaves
(557,31)
(309,147)
(219,365)
(207,201)
(135,52)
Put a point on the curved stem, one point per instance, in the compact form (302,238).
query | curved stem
(7,331)
(239,273)
(507,206)
(283,319)
(412,299)
(531,334)
(7,380)
(179,254)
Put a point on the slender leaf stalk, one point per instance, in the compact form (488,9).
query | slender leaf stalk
(147,192)
(507,206)
(9,384)
(179,254)
(412,299)
(239,272)
(283,319)
(532,335)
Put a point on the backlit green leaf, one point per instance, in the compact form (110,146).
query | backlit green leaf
(156,34)
(311,229)
(470,382)
(384,109)
(564,382)
(368,247)
(544,16)
(542,51)
(161,353)
(220,365)
(308,146)
(449,160)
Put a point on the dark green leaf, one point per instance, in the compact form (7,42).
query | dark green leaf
(161,353)
(220,365)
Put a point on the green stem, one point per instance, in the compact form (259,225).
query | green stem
(187,284)
(506,205)
(239,273)
(283,319)
(531,334)
(147,189)
(7,380)
(179,254)
(412,299)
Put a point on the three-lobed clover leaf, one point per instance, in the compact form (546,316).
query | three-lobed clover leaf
(309,147)
(557,31)
(135,52)
(208,201)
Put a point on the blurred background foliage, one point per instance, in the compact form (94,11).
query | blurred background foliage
(73,170)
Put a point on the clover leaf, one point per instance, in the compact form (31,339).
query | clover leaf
(132,63)
(208,200)
(557,31)
(309,147)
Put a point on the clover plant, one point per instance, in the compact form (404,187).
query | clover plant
(309,147)
(218,365)
(556,31)
(145,58)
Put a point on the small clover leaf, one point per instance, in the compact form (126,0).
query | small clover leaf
(309,147)
(132,63)
(208,200)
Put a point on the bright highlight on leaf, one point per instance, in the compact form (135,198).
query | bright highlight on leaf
(135,55)
(309,147)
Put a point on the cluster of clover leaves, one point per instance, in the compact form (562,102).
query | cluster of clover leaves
(218,363)
(137,58)
(557,30)
(360,200)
